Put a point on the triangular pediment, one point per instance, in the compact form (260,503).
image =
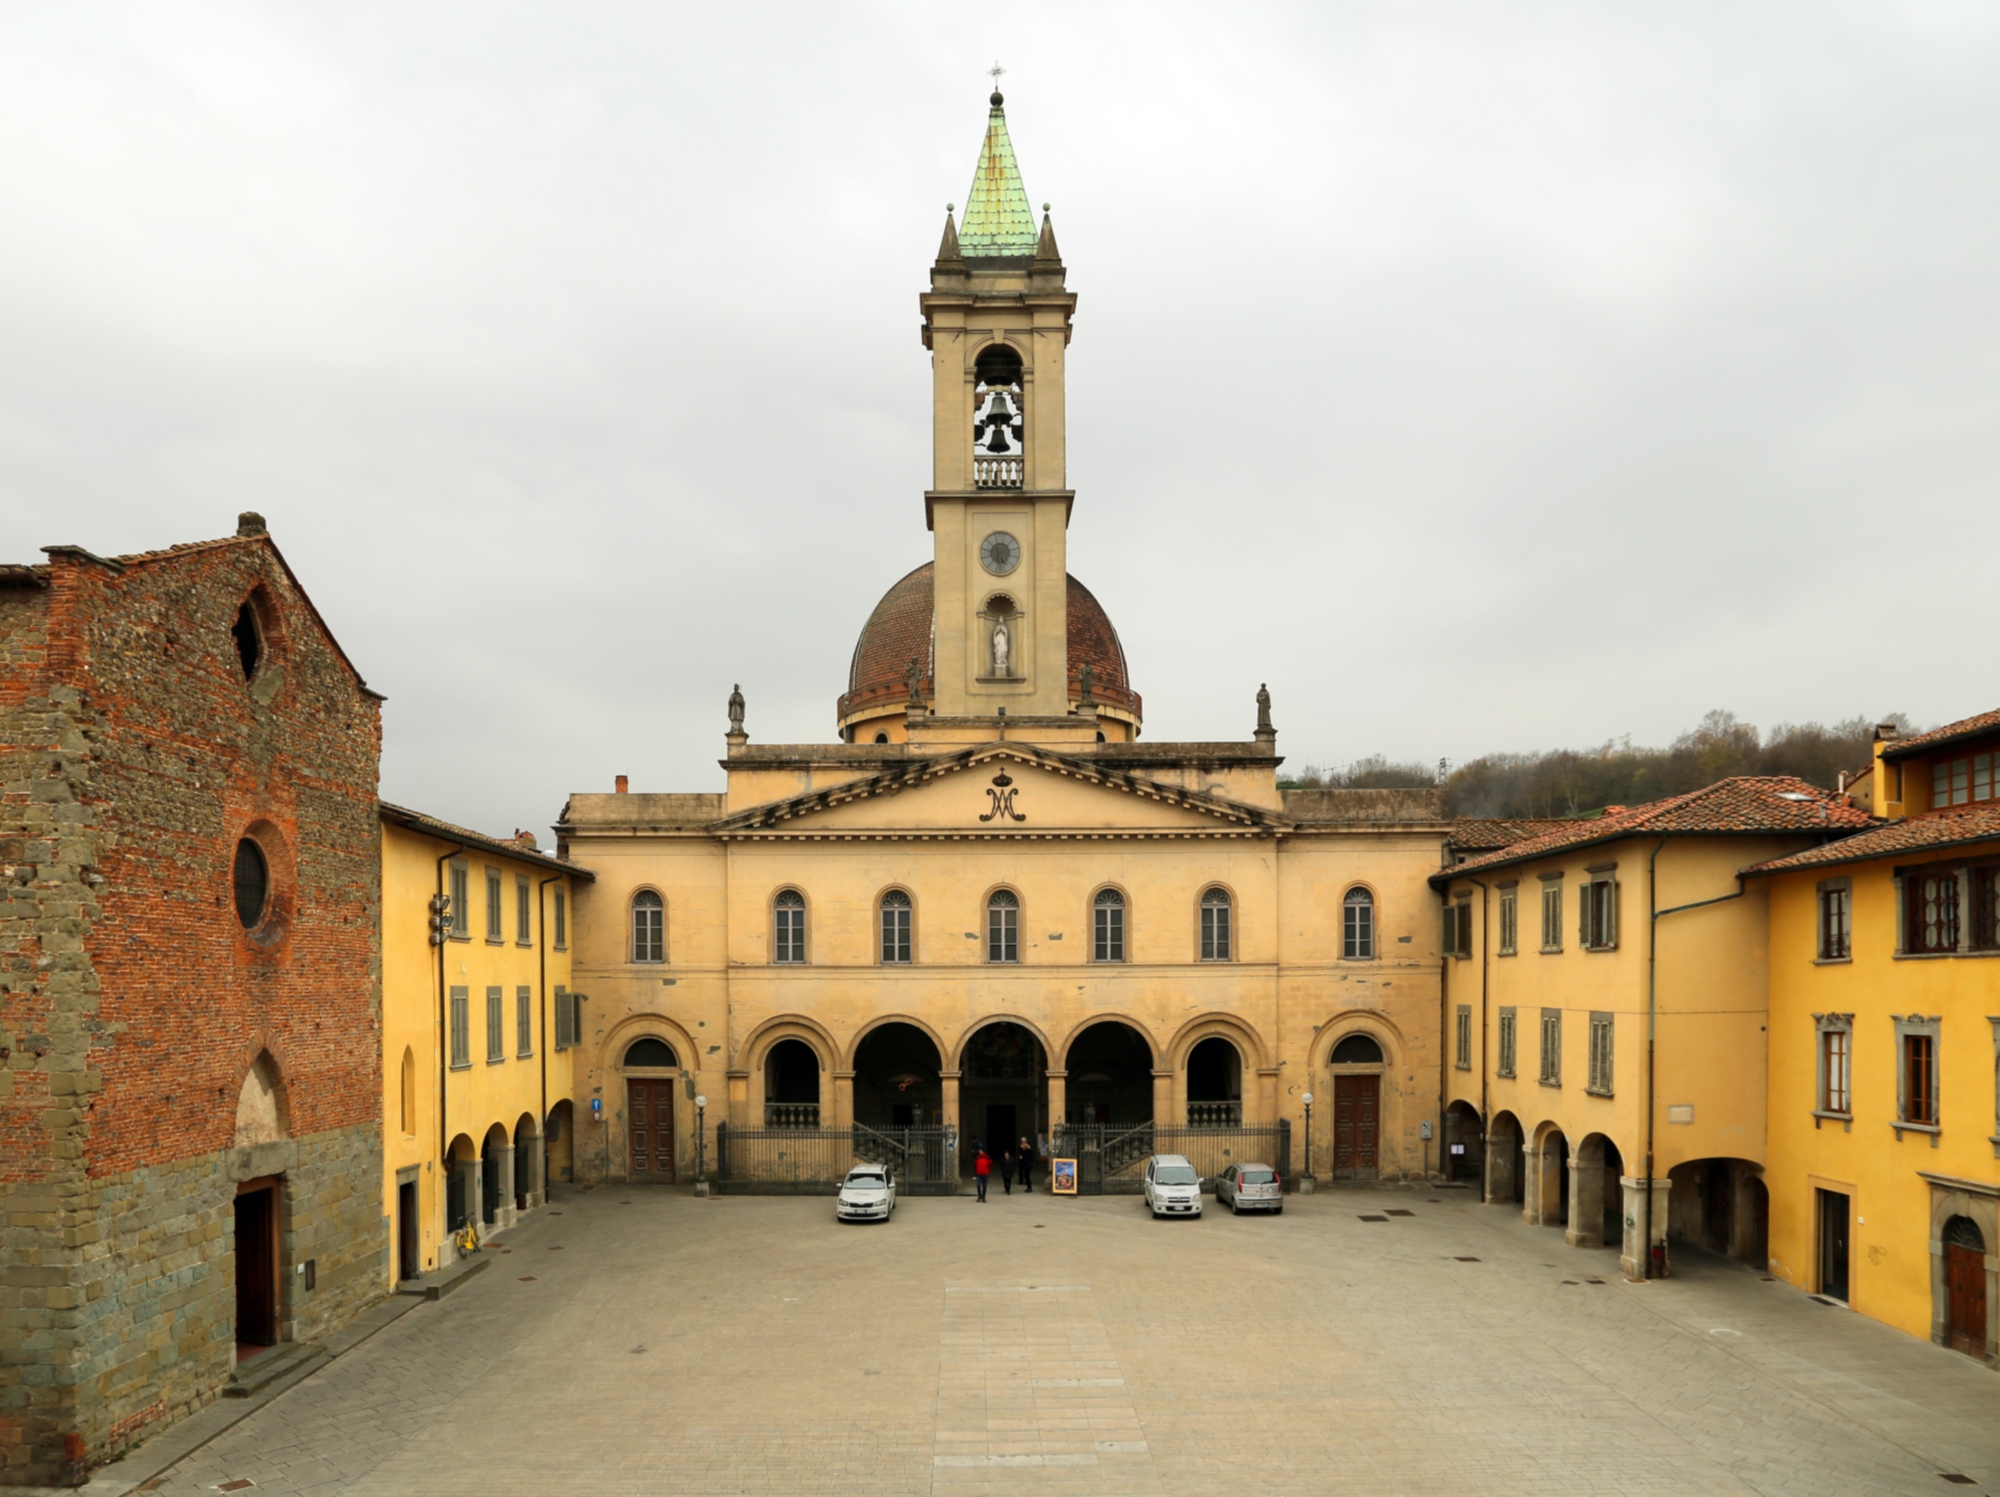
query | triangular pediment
(1003,789)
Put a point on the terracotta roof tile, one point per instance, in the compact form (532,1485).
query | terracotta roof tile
(417,821)
(1962,824)
(1966,727)
(1746,804)
(1488,834)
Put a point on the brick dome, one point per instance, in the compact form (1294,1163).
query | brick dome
(900,627)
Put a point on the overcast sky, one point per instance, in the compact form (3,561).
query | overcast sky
(1483,377)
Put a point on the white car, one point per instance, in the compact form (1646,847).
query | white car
(1250,1187)
(868,1194)
(1172,1186)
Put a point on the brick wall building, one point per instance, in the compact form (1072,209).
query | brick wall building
(190,1071)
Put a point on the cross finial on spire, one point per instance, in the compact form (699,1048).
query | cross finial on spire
(995,73)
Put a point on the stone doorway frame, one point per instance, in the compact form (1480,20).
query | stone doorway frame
(1979,1201)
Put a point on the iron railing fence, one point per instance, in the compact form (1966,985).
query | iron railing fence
(1111,1161)
(813,1161)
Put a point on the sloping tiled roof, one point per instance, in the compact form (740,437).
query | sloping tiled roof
(900,627)
(998,220)
(430,826)
(1962,824)
(1967,727)
(1487,834)
(1748,804)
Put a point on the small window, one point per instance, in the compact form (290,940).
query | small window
(1932,924)
(253,884)
(1461,929)
(1357,926)
(1003,926)
(1836,1064)
(1108,922)
(461,901)
(1508,1033)
(788,912)
(649,927)
(1215,926)
(651,1052)
(1509,922)
(248,633)
(524,1021)
(1552,1047)
(493,911)
(524,918)
(1954,782)
(565,1018)
(408,1091)
(562,919)
(1552,916)
(1600,1055)
(1598,917)
(461,1027)
(896,926)
(1985,908)
(1918,1079)
(1836,917)
(1462,1052)
(1357,1050)
(496,1034)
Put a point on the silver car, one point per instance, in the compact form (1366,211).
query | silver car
(1172,1187)
(1250,1187)
(868,1194)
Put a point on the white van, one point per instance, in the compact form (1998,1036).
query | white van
(1172,1186)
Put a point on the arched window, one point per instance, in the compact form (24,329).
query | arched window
(1108,927)
(895,926)
(651,1052)
(409,1090)
(1003,927)
(1357,925)
(1357,1050)
(649,927)
(1215,926)
(789,920)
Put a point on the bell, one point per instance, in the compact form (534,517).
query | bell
(998,407)
(1001,442)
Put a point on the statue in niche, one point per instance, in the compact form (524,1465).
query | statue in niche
(736,708)
(1000,649)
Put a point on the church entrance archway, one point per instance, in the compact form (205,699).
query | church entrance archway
(1215,1084)
(1110,1069)
(898,1080)
(1003,1090)
(791,1086)
(256,1266)
(1357,1063)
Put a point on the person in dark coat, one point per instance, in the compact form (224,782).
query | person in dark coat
(1025,1164)
(982,1166)
(1007,1170)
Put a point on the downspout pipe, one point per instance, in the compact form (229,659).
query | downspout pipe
(1656,1259)
(444,1035)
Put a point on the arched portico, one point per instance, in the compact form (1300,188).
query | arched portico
(1596,1200)
(1547,1168)
(898,1076)
(783,1080)
(1002,1087)
(1720,1205)
(496,1178)
(530,1188)
(1110,1064)
(1464,1144)
(1251,1082)
(1506,1177)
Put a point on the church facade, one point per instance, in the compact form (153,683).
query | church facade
(991,906)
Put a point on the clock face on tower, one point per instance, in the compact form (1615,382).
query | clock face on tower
(1000,553)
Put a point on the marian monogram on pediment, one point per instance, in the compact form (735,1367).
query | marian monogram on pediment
(1001,793)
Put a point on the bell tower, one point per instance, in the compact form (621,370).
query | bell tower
(997,323)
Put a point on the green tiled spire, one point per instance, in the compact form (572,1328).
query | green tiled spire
(998,220)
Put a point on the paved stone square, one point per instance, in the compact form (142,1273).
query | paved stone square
(643,1341)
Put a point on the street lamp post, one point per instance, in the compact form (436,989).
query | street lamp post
(1306,1177)
(700,1146)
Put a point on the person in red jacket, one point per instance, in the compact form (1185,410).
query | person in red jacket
(982,1166)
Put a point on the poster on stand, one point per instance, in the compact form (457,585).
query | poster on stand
(1062,1177)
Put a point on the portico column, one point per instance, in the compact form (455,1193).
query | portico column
(1058,1105)
(1586,1203)
(472,1185)
(1501,1162)
(1531,1179)
(534,1172)
(948,1085)
(1267,1100)
(503,1214)
(1163,1099)
(843,1099)
(1632,1248)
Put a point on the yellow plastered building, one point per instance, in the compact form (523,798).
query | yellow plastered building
(1605,999)
(479,1024)
(1884,1100)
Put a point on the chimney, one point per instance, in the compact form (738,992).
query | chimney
(1884,732)
(622,785)
(249,524)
